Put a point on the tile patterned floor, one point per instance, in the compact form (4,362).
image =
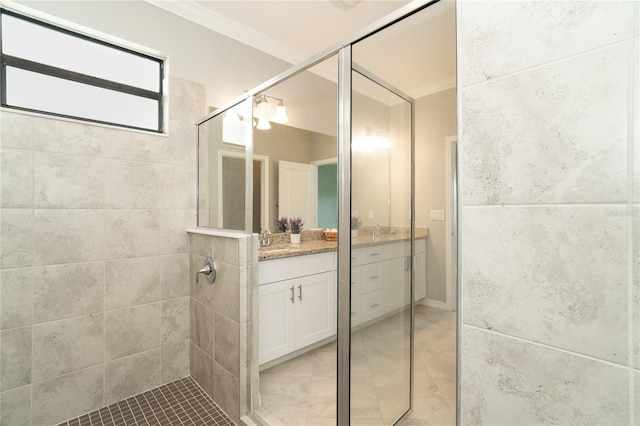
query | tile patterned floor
(301,391)
(182,402)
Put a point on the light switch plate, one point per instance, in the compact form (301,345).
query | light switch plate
(437,214)
(370,214)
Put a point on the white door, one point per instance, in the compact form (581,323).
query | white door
(276,302)
(298,192)
(314,307)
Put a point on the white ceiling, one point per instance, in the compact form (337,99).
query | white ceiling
(295,30)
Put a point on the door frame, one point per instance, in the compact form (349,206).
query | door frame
(264,179)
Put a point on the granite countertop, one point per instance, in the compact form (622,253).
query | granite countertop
(314,246)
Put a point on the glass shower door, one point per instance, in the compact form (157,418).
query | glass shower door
(381,251)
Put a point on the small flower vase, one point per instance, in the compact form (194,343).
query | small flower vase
(295,238)
(354,233)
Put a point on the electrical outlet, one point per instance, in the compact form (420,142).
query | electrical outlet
(437,214)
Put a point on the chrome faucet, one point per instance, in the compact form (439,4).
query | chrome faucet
(265,238)
(377,230)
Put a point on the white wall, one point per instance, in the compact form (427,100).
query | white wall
(550,260)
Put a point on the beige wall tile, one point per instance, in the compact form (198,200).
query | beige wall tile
(201,367)
(508,138)
(16,178)
(175,320)
(54,135)
(15,406)
(175,361)
(226,250)
(132,185)
(499,38)
(66,236)
(174,276)
(226,392)
(137,233)
(131,330)
(60,347)
(16,298)
(131,375)
(15,358)
(562,281)
(16,232)
(178,187)
(227,344)
(67,396)
(63,291)
(16,130)
(510,381)
(130,282)
(68,181)
(202,327)
(226,291)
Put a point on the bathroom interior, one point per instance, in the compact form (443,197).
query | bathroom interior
(106,230)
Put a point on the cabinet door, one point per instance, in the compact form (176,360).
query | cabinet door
(420,276)
(396,278)
(314,308)
(276,322)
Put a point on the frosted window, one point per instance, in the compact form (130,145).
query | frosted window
(44,45)
(38,92)
(55,71)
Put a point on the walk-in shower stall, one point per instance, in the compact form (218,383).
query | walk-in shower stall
(349,109)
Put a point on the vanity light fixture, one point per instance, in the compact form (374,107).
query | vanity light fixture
(263,112)
(281,113)
(374,140)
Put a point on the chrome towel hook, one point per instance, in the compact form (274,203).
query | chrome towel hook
(209,270)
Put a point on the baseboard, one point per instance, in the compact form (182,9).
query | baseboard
(435,304)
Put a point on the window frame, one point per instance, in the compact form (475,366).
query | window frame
(44,69)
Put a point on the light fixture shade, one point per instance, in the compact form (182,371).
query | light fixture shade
(232,117)
(263,124)
(281,113)
(262,109)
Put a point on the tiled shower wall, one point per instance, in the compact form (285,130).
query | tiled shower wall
(224,319)
(551,192)
(94,292)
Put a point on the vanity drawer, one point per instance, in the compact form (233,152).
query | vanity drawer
(373,254)
(372,277)
(372,305)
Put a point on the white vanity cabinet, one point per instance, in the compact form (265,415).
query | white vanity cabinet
(380,279)
(296,303)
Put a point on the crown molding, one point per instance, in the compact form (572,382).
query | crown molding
(434,87)
(221,24)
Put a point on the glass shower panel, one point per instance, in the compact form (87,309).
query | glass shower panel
(297,294)
(222,142)
(381,277)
